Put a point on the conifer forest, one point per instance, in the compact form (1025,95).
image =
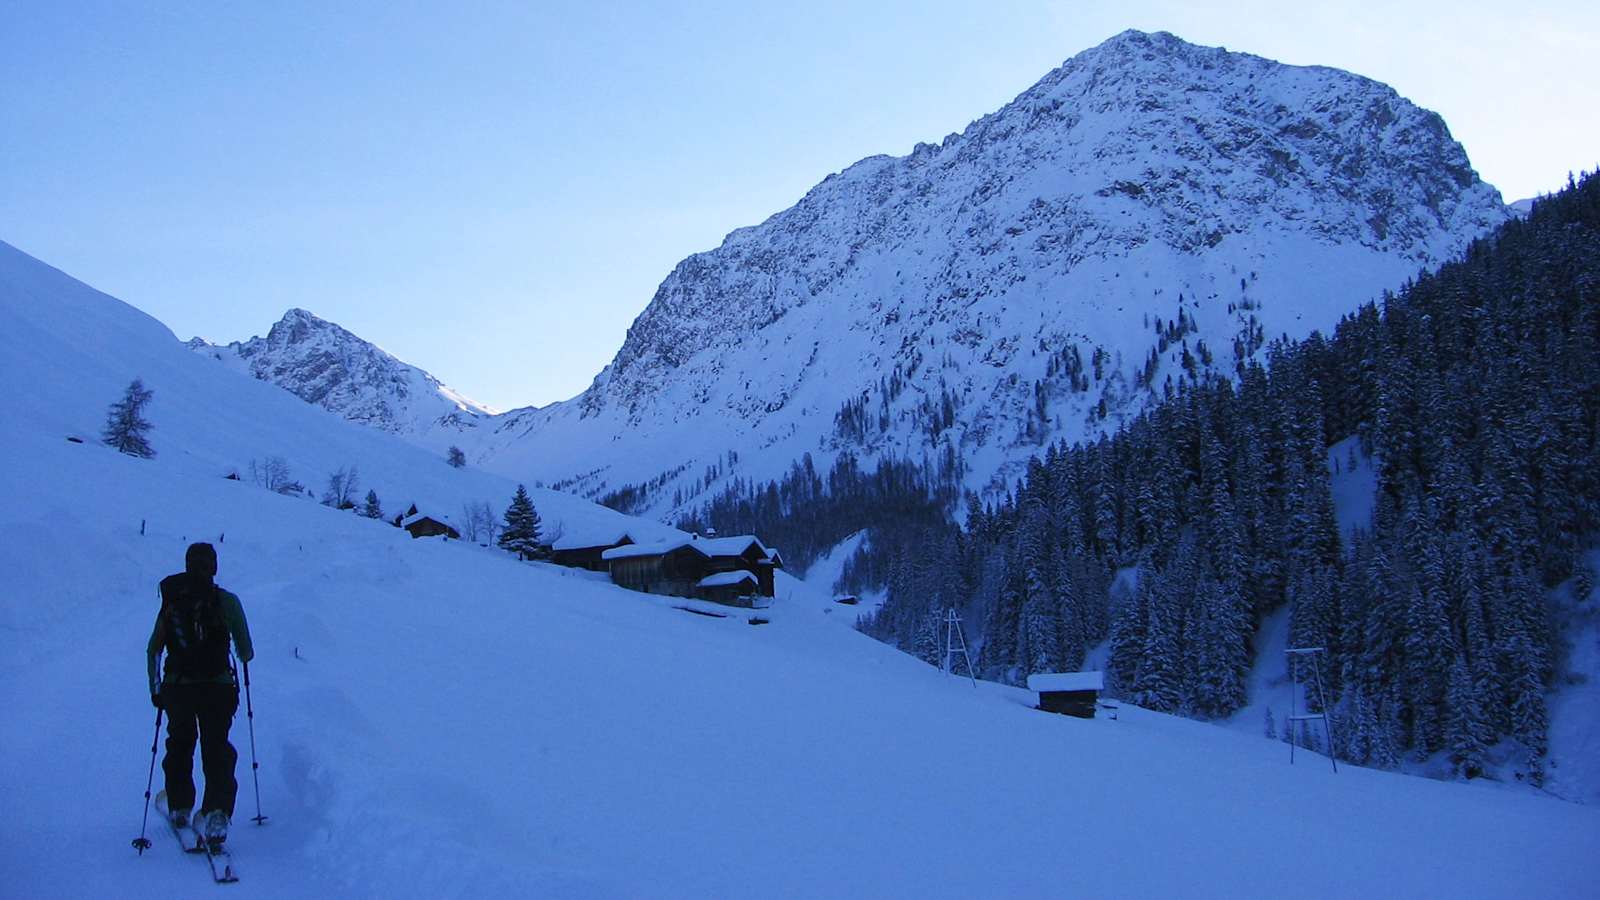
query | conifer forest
(1475,394)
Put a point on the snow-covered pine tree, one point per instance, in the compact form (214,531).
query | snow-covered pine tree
(1040,627)
(1429,647)
(1530,722)
(521,533)
(1070,641)
(126,427)
(1105,511)
(1466,736)
(1221,637)
(1357,732)
(928,645)
(1129,627)
(455,457)
(1159,682)
(999,653)
(371,508)
(1384,738)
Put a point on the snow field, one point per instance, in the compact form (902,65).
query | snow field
(458,723)
(436,719)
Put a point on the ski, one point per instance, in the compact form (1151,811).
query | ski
(227,873)
(221,860)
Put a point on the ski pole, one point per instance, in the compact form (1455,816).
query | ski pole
(142,843)
(250,716)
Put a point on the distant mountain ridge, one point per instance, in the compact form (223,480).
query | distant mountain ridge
(1148,212)
(326,365)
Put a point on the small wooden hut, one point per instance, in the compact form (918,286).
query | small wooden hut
(735,588)
(422,525)
(1068,693)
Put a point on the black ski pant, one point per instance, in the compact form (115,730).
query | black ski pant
(204,711)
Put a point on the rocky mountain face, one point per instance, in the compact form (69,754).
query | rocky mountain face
(326,365)
(1148,213)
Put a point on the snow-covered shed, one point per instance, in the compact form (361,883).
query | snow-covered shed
(736,588)
(1069,693)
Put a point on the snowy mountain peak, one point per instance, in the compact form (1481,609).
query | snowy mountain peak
(1149,211)
(325,364)
(298,324)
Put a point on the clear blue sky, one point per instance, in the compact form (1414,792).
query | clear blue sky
(493,192)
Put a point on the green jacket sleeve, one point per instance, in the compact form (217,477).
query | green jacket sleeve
(233,613)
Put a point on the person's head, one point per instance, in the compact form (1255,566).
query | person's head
(201,560)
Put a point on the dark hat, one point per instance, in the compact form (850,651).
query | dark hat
(201,560)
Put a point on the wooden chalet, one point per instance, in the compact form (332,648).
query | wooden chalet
(583,551)
(733,570)
(422,525)
(1068,693)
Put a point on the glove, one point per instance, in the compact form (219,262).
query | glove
(155,699)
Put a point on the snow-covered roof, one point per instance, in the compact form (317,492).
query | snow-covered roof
(652,549)
(728,546)
(591,537)
(414,518)
(724,579)
(731,546)
(1067,681)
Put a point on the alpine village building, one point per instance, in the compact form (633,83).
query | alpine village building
(736,571)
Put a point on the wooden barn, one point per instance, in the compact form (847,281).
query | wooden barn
(685,567)
(423,525)
(1068,693)
(583,550)
(743,553)
(735,588)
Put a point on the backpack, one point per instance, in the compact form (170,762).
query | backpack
(196,634)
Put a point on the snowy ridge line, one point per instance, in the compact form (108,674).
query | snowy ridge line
(1041,276)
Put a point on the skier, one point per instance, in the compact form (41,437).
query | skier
(199,690)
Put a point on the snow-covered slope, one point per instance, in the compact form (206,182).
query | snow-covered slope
(436,720)
(68,351)
(324,364)
(999,290)
(1574,723)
